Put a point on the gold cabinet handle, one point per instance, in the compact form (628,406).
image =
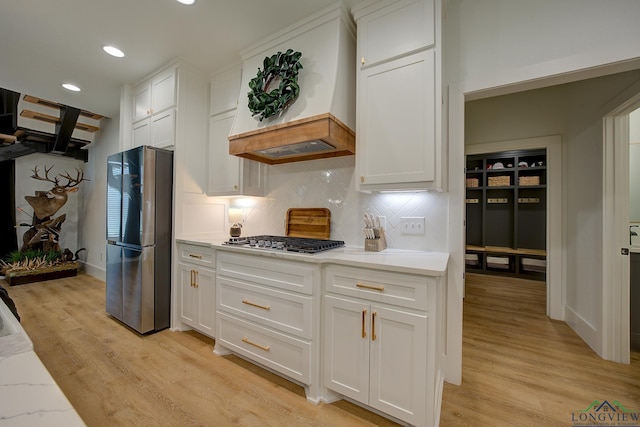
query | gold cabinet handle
(373,326)
(261,347)
(374,288)
(362,61)
(195,256)
(253,304)
(361,179)
(192,278)
(364,331)
(195,283)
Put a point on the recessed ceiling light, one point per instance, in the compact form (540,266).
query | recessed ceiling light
(187,2)
(113,51)
(71,87)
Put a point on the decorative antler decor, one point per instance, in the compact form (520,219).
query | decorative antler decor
(42,240)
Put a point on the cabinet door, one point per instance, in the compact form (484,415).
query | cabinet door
(141,133)
(205,283)
(141,101)
(224,91)
(346,347)
(397,29)
(163,129)
(163,91)
(224,169)
(188,295)
(399,363)
(397,122)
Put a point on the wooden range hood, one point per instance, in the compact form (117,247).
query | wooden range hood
(316,137)
(319,123)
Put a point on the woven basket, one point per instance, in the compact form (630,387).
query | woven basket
(529,180)
(472,182)
(499,181)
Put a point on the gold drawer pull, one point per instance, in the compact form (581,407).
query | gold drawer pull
(192,278)
(195,284)
(364,331)
(261,347)
(264,307)
(375,288)
(195,256)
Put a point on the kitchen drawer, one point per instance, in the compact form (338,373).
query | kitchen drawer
(284,311)
(195,254)
(267,271)
(286,355)
(405,290)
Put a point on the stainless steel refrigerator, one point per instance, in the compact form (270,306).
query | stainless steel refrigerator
(139,199)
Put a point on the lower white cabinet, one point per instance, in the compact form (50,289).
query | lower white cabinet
(265,310)
(374,355)
(197,289)
(381,355)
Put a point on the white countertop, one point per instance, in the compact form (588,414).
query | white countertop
(399,260)
(29,396)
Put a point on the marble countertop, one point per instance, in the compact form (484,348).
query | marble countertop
(29,395)
(399,260)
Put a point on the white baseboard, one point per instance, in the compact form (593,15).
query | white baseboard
(94,270)
(584,329)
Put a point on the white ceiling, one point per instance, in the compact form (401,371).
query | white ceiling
(44,43)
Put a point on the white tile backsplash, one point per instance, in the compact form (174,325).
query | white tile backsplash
(330,183)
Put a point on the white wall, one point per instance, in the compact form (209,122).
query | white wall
(92,208)
(512,41)
(26,186)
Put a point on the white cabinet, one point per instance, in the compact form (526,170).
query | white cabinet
(265,309)
(153,120)
(229,175)
(389,29)
(197,284)
(398,127)
(379,341)
(154,95)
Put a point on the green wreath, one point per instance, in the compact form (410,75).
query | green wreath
(284,66)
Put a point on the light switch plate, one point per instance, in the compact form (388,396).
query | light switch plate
(412,225)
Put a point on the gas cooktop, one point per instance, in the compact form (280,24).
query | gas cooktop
(284,243)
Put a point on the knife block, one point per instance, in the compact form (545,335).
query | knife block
(376,245)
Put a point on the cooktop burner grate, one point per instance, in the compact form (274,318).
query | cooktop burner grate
(284,243)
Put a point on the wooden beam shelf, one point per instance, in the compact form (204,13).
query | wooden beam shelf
(55,120)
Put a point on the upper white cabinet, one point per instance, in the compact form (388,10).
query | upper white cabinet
(168,109)
(399,96)
(155,95)
(397,29)
(229,175)
(153,116)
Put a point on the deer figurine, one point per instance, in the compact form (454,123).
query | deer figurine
(48,203)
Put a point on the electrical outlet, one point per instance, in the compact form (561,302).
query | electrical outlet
(412,225)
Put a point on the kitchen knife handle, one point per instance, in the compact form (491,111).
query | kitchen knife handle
(374,288)
(373,326)
(364,331)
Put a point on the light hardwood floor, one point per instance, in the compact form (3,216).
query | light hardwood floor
(519,367)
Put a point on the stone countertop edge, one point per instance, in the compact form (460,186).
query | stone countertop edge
(397,260)
(29,394)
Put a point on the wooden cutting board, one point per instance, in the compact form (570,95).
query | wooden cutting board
(314,223)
